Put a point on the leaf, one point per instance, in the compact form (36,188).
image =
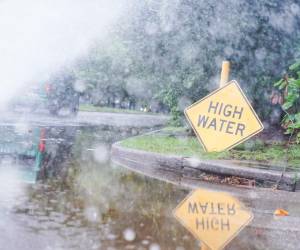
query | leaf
(297,117)
(288,117)
(297,82)
(292,97)
(277,84)
(281,212)
(294,66)
(287,105)
(295,125)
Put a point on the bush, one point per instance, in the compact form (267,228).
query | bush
(290,86)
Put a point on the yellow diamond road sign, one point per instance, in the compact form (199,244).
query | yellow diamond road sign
(212,217)
(223,119)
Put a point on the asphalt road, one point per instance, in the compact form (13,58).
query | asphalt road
(84,119)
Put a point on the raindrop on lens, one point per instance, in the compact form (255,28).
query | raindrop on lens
(101,153)
(129,234)
(91,214)
(79,86)
(154,246)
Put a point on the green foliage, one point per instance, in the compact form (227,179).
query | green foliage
(187,146)
(91,108)
(169,96)
(290,85)
(166,50)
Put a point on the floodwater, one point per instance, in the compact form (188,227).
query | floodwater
(83,201)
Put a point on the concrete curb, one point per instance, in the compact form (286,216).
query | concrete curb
(185,166)
(261,201)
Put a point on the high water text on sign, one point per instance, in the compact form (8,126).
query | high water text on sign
(222,124)
(214,218)
(223,119)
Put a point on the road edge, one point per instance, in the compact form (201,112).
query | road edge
(192,167)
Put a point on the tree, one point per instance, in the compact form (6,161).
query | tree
(172,50)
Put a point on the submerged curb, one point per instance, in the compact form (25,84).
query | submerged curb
(192,167)
(262,201)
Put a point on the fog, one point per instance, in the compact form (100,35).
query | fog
(38,37)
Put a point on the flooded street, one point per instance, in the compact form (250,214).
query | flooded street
(74,197)
(150,125)
(89,203)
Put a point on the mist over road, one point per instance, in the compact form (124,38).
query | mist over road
(85,119)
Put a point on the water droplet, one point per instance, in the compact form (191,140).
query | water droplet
(101,153)
(91,214)
(145,242)
(129,234)
(154,246)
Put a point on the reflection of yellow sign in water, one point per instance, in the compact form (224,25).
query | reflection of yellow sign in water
(223,119)
(212,217)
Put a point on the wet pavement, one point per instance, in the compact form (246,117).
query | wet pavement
(42,118)
(84,201)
